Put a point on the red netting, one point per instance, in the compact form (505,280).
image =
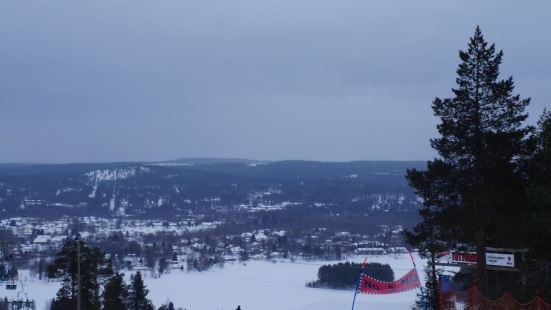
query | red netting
(473,299)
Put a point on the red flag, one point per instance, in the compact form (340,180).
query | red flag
(371,286)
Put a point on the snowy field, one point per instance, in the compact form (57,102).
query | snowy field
(271,286)
(32,288)
(258,285)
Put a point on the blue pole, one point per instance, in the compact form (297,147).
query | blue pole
(420,286)
(356,290)
(357,287)
(423,298)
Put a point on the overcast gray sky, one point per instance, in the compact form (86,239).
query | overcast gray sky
(111,80)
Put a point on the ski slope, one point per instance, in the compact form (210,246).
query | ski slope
(261,285)
(256,285)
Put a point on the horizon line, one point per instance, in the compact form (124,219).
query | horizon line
(229,159)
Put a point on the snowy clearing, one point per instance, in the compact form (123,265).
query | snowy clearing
(271,286)
(256,285)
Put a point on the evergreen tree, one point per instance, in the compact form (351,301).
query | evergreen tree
(345,275)
(169,306)
(540,163)
(243,256)
(474,192)
(137,297)
(64,267)
(429,298)
(540,189)
(115,293)
(424,236)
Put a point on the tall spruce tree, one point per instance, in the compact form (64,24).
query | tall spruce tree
(64,267)
(137,297)
(539,172)
(474,192)
(540,164)
(115,293)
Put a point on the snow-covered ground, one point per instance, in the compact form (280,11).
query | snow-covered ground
(271,286)
(29,287)
(256,285)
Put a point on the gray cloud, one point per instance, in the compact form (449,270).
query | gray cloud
(329,80)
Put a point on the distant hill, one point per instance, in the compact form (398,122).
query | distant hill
(213,160)
(79,168)
(165,189)
(298,169)
(288,169)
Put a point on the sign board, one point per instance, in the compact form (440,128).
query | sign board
(501,260)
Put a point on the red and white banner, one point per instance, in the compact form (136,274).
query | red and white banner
(456,257)
(371,286)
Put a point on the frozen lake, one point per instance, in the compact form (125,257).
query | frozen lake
(258,285)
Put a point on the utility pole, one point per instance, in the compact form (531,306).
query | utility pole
(78,274)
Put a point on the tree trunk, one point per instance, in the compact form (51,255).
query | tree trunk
(435,292)
(481,256)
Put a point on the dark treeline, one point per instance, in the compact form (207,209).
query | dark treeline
(346,275)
